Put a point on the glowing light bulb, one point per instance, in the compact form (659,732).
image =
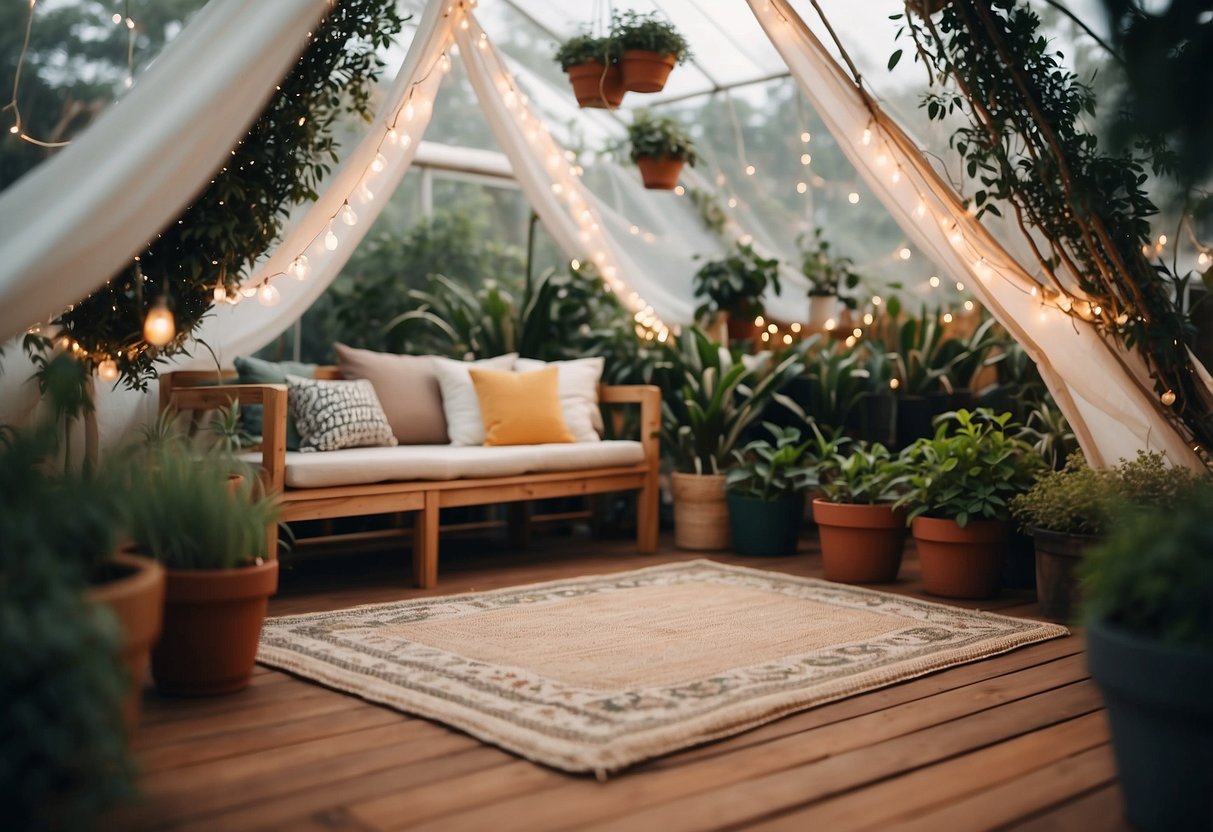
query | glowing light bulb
(896,177)
(732,202)
(968,306)
(857,332)
(851,341)
(894,383)
(1203,259)
(393,136)
(853,198)
(760,321)
(947,318)
(268,295)
(107,370)
(882,160)
(347,215)
(801,187)
(749,170)
(960,287)
(365,193)
(379,163)
(1167,398)
(220,294)
(867,138)
(330,239)
(868,318)
(159,327)
(787,339)
(904,254)
(117,18)
(680,190)
(921,210)
(795,327)
(934,281)
(805,136)
(805,158)
(575,264)
(1162,239)
(830,324)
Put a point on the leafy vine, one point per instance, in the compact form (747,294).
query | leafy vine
(279,163)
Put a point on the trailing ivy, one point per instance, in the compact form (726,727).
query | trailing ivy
(1084,212)
(239,215)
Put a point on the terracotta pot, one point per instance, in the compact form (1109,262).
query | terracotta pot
(860,544)
(740,322)
(701,515)
(212,623)
(660,173)
(960,563)
(133,587)
(597,86)
(645,71)
(1057,558)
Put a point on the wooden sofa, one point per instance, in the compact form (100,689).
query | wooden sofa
(199,391)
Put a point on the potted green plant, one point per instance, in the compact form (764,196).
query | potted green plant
(76,624)
(593,68)
(734,285)
(766,491)
(1150,650)
(862,535)
(211,538)
(960,482)
(827,273)
(709,398)
(650,48)
(1070,511)
(660,147)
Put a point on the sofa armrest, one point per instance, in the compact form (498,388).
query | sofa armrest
(648,396)
(177,395)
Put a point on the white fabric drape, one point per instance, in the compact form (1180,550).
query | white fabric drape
(74,221)
(1098,388)
(379,162)
(550,184)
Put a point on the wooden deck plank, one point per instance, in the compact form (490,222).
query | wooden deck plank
(289,754)
(900,798)
(581,801)
(1022,796)
(1100,809)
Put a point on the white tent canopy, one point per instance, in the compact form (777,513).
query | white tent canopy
(73,222)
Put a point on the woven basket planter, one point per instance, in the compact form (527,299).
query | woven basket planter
(701,514)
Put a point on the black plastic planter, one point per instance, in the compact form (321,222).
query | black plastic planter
(1160,707)
(765,527)
(1057,559)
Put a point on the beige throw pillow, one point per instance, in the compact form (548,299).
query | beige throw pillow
(407,387)
(464,424)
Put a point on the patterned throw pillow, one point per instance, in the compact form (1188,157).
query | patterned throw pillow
(332,415)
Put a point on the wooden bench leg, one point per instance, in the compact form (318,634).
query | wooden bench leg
(271,542)
(647,518)
(425,543)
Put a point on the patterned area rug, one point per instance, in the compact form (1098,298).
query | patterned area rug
(599,672)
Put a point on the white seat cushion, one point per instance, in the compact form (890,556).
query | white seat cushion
(360,466)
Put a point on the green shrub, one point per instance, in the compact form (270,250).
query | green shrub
(868,474)
(770,469)
(649,33)
(660,137)
(1154,576)
(584,49)
(734,282)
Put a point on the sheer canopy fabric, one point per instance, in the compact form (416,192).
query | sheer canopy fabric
(74,221)
(1099,388)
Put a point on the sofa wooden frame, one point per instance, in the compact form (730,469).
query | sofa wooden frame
(200,391)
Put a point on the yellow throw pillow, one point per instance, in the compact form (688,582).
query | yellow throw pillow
(520,408)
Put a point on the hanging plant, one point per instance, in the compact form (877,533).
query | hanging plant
(735,285)
(279,163)
(593,67)
(1084,213)
(660,148)
(649,50)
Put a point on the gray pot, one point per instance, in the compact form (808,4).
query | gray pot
(1057,558)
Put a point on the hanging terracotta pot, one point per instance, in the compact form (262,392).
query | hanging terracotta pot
(645,71)
(212,624)
(133,587)
(660,173)
(860,544)
(597,86)
(960,562)
(701,514)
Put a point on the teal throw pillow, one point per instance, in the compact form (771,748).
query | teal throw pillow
(259,371)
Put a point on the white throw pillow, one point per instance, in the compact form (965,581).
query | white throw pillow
(577,385)
(464,424)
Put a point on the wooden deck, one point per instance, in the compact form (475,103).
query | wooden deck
(1017,741)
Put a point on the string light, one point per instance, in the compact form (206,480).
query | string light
(934,281)
(220,293)
(330,239)
(805,158)
(300,267)
(268,295)
(107,370)
(853,198)
(159,326)
(904,254)
(867,137)
(749,170)
(347,214)
(801,187)
(1167,398)
(805,136)
(379,163)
